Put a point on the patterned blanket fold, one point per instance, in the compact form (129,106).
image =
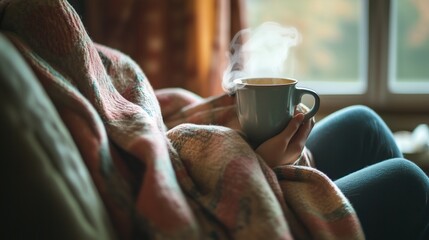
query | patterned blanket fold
(190,177)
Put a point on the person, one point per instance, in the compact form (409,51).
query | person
(356,149)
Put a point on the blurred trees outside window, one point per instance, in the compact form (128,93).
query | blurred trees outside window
(339,37)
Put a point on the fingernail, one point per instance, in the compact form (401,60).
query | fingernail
(300,117)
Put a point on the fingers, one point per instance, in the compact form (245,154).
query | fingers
(286,147)
(292,127)
(297,143)
(305,129)
(295,135)
(301,108)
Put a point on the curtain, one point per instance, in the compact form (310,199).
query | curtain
(177,43)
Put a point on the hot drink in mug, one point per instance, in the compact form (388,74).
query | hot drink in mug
(266,105)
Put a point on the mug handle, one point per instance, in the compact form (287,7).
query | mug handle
(298,96)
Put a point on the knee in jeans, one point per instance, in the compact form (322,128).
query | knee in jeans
(361,119)
(411,175)
(362,112)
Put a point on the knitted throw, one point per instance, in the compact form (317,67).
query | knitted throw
(193,180)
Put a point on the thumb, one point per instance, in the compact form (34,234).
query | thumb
(292,127)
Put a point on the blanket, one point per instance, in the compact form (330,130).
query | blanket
(191,177)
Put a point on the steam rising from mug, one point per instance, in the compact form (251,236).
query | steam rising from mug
(260,52)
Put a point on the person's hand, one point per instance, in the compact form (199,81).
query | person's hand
(287,146)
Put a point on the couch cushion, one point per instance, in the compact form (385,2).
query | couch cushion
(46,189)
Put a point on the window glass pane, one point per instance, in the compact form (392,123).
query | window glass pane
(333,45)
(409,63)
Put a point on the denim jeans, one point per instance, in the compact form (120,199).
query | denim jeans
(356,149)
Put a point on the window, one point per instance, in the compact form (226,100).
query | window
(409,48)
(357,51)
